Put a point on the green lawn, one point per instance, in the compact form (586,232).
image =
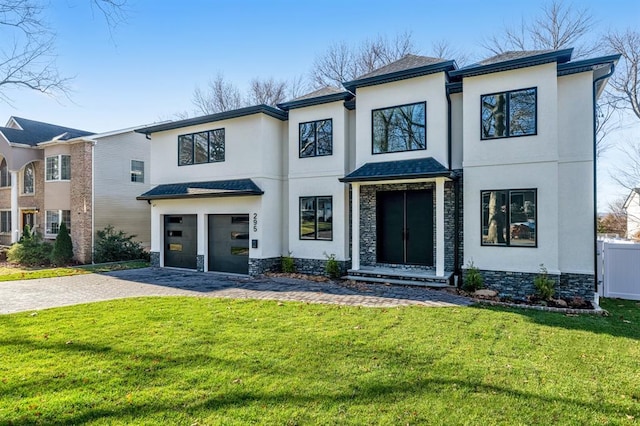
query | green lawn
(13,273)
(199,361)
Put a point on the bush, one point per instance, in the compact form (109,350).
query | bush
(112,246)
(473,278)
(30,251)
(332,268)
(62,253)
(288,264)
(544,285)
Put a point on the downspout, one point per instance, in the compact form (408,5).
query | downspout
(456,194)
(595,187)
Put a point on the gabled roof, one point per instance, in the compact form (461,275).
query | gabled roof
(400,169)
(632,194)
(321,96)
(226,115)
(407,67)
(219,188)
(513,60)
(34,132)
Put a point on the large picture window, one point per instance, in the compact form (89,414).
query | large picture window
(509,218)
(316,138)
(58,167)
(399,128)
(54,218)
(509,114)
(202,147)
(5,222)
(316,218)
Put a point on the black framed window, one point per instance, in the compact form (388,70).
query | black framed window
(201,147)
(399,128)
(509,114)
(316,138)
(316,218)
(509,217)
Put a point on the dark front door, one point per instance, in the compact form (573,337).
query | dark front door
(28,218)
(180,241)
(405,227)
(229,243)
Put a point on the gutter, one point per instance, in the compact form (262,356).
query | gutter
(595,187)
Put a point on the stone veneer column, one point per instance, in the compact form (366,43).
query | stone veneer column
(355,232)
(15,220)
(440,249)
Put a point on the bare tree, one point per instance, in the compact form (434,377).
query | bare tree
(558,26)
(342,62)
(220,95)
(615,220)
(27,46)
(625,82)
(267,92)
(443,49)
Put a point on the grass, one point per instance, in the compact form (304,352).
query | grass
(217,361)
(14,273)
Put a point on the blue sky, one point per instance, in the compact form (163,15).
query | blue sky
(147,68)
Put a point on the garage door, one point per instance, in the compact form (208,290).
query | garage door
(229,243)
(180,241)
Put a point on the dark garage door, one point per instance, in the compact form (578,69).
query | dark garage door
(229,243)
(180,241)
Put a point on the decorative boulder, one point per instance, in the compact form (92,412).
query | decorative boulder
(485,293)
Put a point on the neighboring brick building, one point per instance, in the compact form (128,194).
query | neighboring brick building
(51,174)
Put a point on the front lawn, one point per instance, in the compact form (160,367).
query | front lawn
(201,361)
(15,272)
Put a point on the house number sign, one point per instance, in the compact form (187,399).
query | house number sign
(255,222)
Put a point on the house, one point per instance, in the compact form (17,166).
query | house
(52,174)
(410,173)
(632,208)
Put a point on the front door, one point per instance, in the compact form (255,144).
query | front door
(229,243)
(180,241)
(405,227)
(28,218)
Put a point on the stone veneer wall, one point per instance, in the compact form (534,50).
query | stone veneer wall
(260,266)
(81,201)
(318,266)
(519,285)
(154,258)
(368,231)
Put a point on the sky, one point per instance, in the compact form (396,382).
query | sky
(146,68)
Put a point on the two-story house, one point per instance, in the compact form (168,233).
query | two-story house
(52,174)
(409,174)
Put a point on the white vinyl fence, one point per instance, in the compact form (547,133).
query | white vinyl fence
(618,269)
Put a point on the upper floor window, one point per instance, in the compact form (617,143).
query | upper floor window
(53,220)
(316,138)
(137,171)
(5,174)
(28,179)
(316,218)
(509,217)
(58,167)
(202,147)
(399,128)
(509,114)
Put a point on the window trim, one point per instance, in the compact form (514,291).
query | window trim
(9,231)
(315,238)
(508,118)
(5,174)
(60,219)
(193,148)
(400,106)
(59,179)
(131,176)
(316,138)
(23,175)
(508,215)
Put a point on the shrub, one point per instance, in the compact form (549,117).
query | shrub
(62,253)
(112,246)
(544,285)
(288,264)
(472,279)
(30,251)
(332,268)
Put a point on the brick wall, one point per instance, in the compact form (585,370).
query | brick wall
(81,206)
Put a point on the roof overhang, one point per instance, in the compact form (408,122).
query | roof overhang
(420,168)
(559,56)
(210,189)
(444,66)
(318,100)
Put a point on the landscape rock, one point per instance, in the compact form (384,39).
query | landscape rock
(485,293)
(561,303)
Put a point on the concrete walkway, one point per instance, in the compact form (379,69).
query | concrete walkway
(28,295)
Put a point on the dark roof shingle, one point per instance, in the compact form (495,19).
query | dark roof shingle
(34,132)
(399,169)
(219,188)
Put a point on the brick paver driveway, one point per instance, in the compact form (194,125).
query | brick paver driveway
(27,295)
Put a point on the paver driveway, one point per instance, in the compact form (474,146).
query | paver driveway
(27,295)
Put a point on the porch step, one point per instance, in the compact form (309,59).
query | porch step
(399,277)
